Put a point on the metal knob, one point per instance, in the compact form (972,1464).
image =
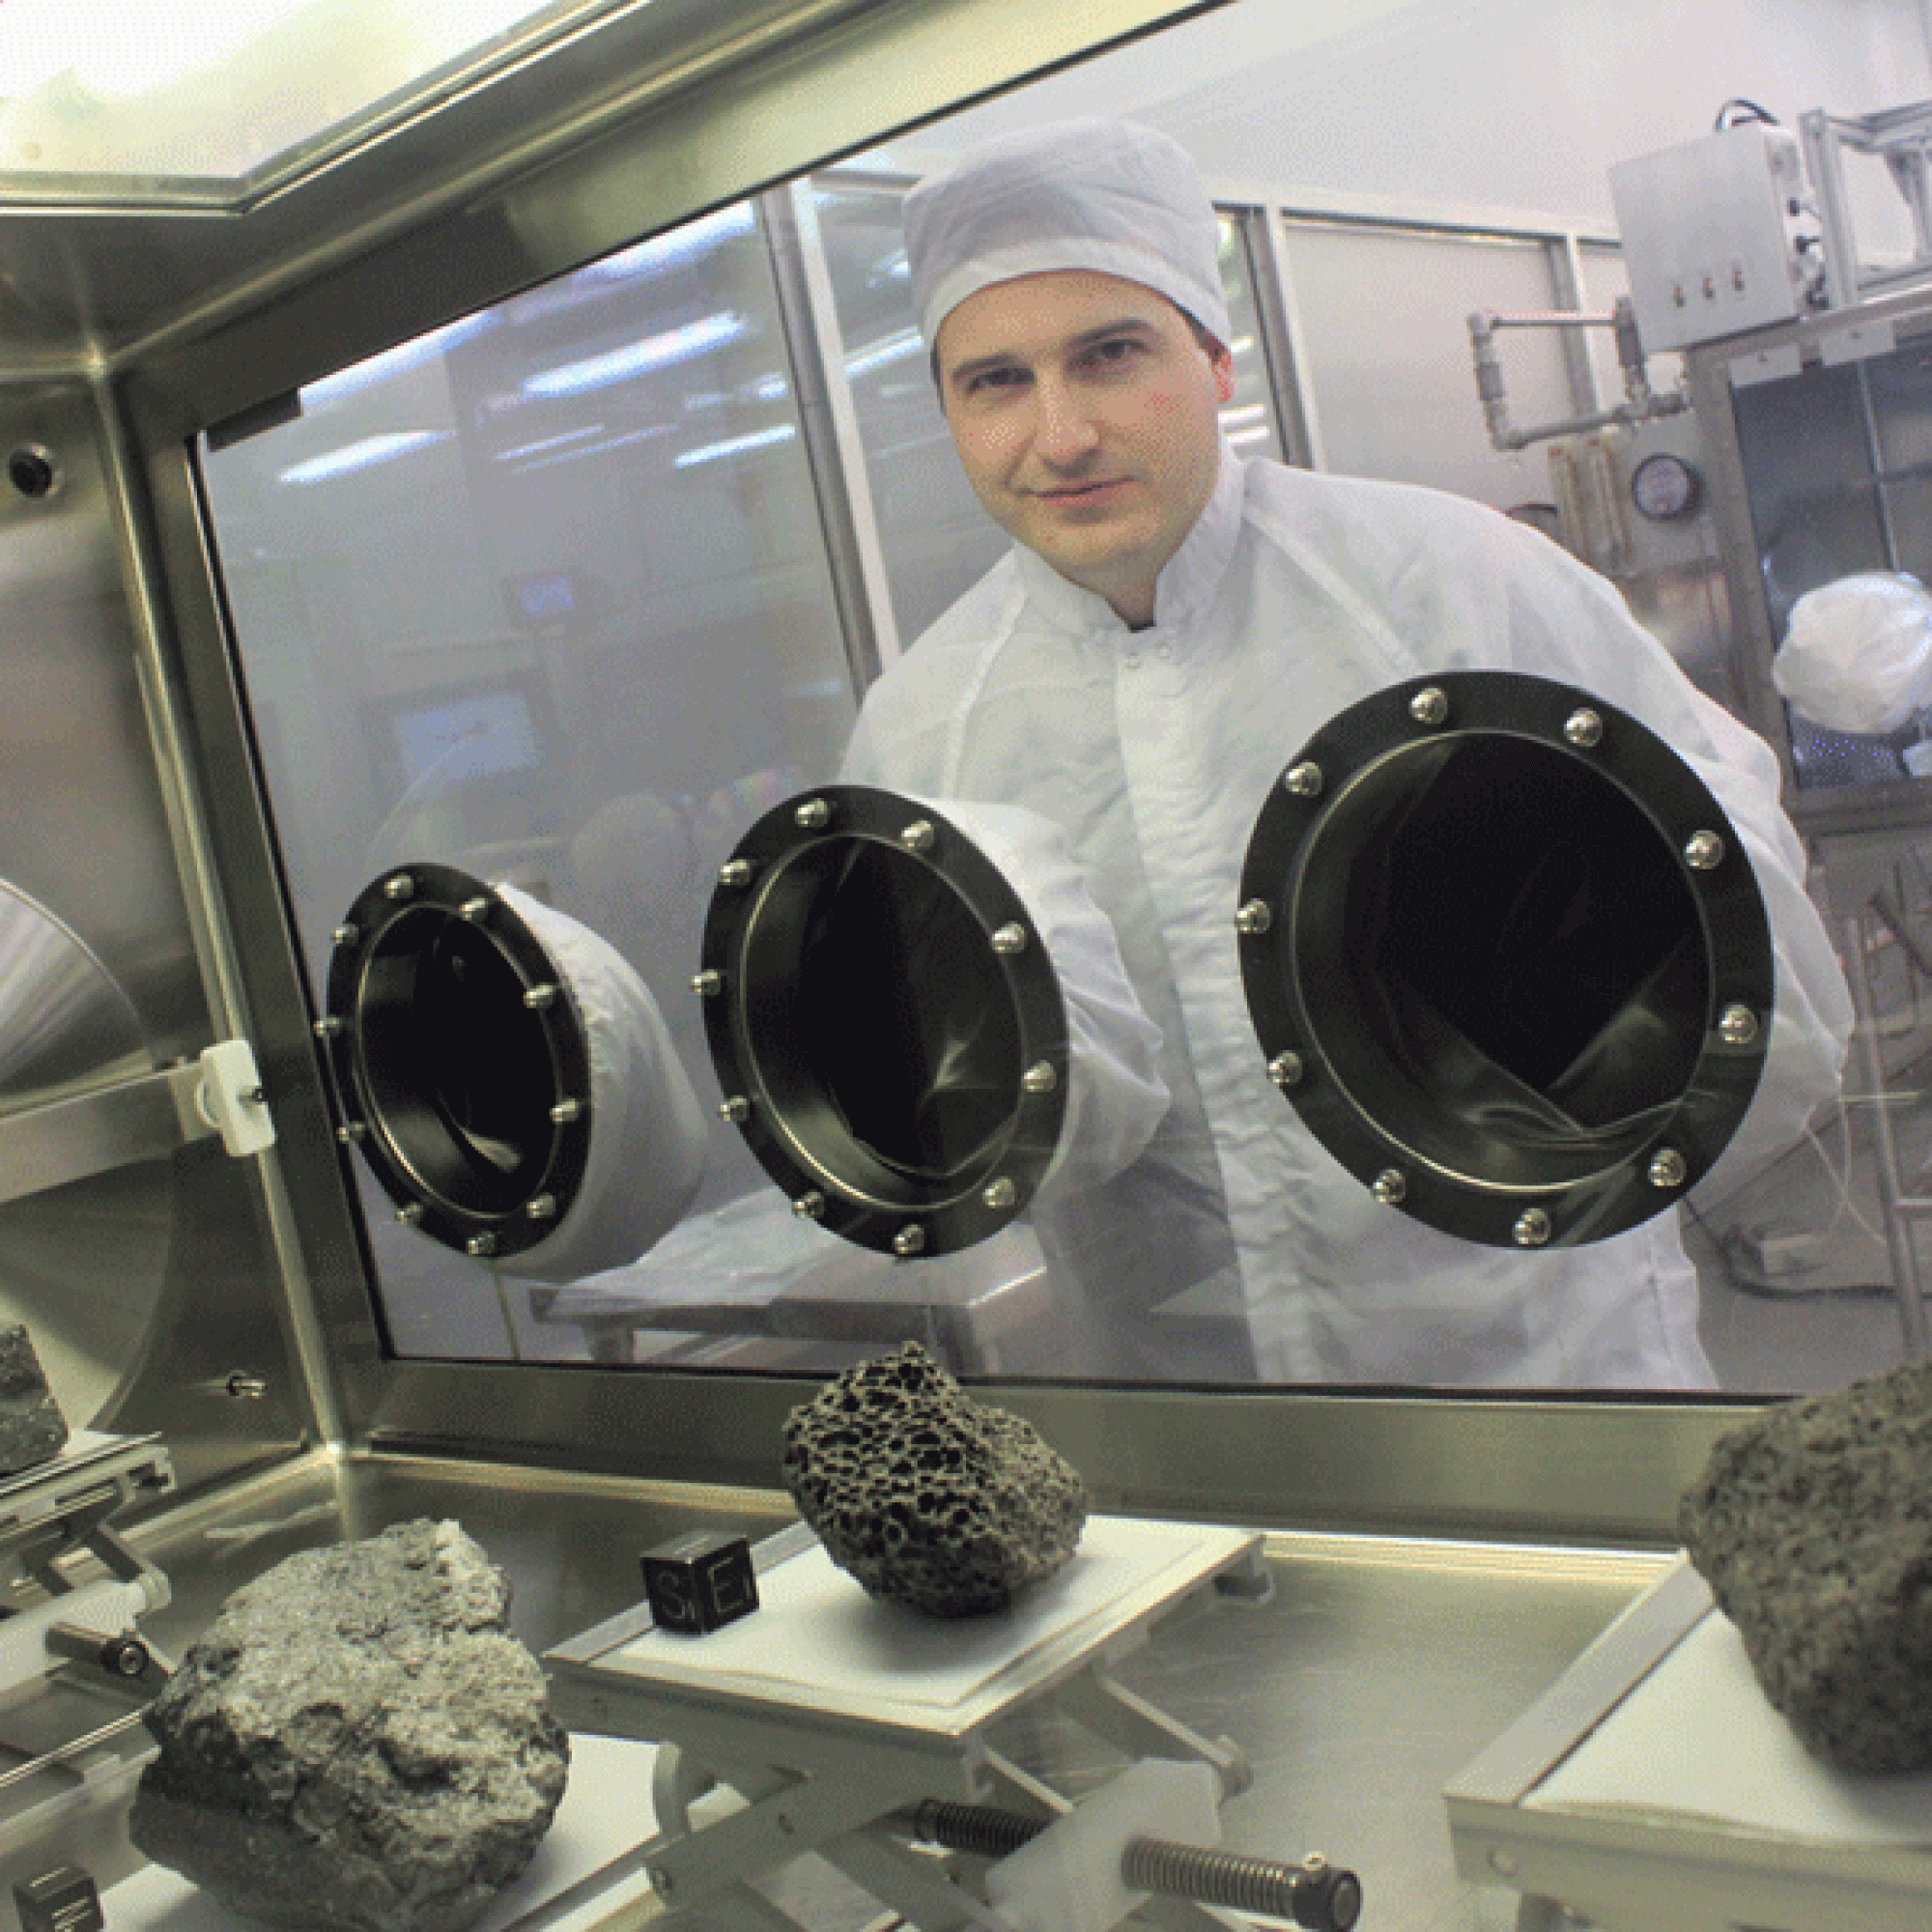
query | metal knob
(999,1195)
(809,1205)
(814,815)
(400,886)
(1390,1186)
(735,1108)
(346,935)
(917,836)
(910,1239)
(1428,706)
(1584,730)
(1703,851)
(735,872)
(1532,1228)
(1667,1168)
(1040,1077)
(1255,916)
(1304,781)
(480,1246)
(1736,1025)
(1286,1070)
(708,985)
(1009,940)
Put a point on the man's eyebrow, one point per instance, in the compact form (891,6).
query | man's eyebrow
(1088,338)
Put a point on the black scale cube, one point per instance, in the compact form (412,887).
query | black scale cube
(699,1581)
(62,1900)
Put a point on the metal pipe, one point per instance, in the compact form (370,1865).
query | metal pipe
(1644,405)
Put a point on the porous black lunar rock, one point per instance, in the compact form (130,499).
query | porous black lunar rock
(928,1497)
(32,1428)
(1812,1523)
(357,1741)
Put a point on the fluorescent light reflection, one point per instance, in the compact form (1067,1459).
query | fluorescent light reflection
(712,452)
(362,455)
(391,363)
(549,442)
(887,350)
(1259,433)
(637,358)
(649,433)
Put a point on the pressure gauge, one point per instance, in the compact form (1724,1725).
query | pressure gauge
(1664,487)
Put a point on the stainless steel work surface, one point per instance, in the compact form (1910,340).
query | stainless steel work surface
(1378,1670)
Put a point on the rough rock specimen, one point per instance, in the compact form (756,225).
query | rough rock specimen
(928,1498)
(32,1428)
(357,1741)
(1813,1526)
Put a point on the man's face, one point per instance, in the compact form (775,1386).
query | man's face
(1085,412)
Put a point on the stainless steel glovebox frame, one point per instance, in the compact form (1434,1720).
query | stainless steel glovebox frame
(514,185)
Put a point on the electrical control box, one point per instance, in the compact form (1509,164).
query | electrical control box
(1718,236)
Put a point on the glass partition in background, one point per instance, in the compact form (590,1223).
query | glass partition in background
(550,595)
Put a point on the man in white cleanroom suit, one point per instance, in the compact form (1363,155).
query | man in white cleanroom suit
(1171,624)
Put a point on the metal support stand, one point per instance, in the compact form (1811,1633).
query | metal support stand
(819,1723)
(1901,1209)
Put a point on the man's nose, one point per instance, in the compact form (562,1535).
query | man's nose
(1065,432)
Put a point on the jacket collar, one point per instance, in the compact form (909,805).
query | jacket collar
(1186,585)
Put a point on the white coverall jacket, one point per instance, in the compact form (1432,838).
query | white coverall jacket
(1293,597)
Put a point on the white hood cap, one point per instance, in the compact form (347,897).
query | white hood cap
(1080,194)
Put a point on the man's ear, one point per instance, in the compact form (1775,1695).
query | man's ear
(1222,362)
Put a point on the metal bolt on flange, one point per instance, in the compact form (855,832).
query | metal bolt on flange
(1009,940)
(565,1112)
(1736,1025)
(346,934)
(814,815)
(1390,1186)
(1040,1077)
(542,1207)
(329,1028)
(351,1131)
(910,1239)
(999,1195)
(480,1246)
(736,1109)
(1584,730)
(735,872)
(1253,917)
(1428,706)
(410,1213)
(708,985)
(399,887)
(1703,851)
(917,836)
(809,1205)
(537,998)
(475,910)
(1304,781)
(1667,1168)
(1532,1228)
(1286,1070)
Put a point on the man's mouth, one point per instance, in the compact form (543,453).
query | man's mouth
(1081,493)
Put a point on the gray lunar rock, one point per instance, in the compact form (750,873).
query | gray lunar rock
(32,1428)
(928,1498)
(357,1741)
(1813,1526)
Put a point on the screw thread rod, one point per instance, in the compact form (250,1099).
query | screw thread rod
(1315,1895)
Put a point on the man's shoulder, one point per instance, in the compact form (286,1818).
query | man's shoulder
(1375,515)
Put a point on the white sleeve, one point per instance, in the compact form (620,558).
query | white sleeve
(1572,624)
(1115,1093)
(648,1138)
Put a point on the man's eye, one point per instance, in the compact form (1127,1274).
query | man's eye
(993,379)
(1114,351)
